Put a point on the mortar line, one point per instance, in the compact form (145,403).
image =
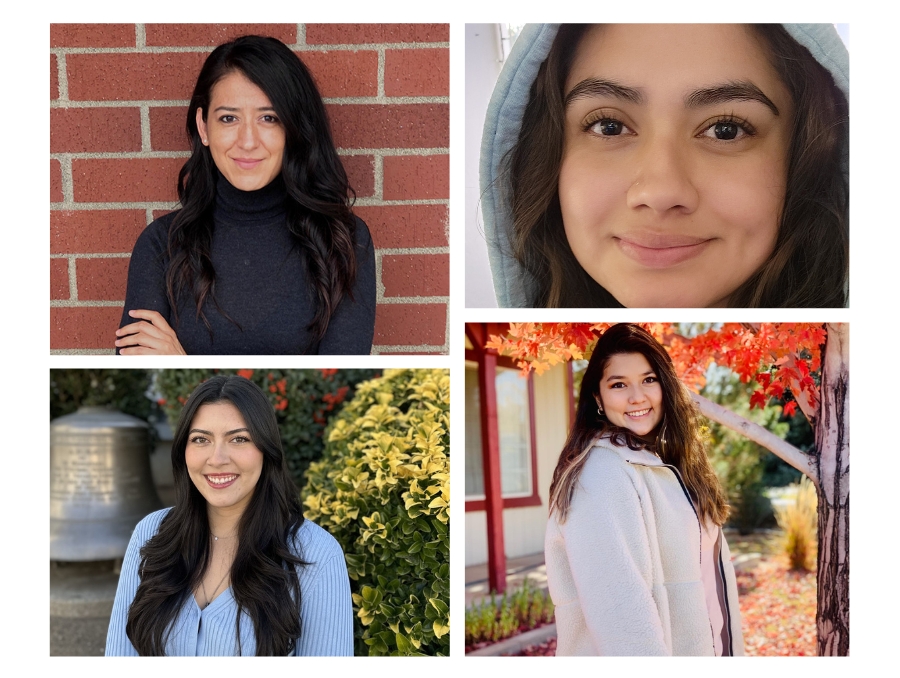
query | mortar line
(62,78)
(140,36)
(73,286)
(381,72)
(146,142)
(379,284)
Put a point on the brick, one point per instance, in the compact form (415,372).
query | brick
(361,173)
(405,225)
(54,78)
(100,231)
(417,72)
(390,126)
(56,194)
(126,180)
(95,130)
(344,73)
(133,77)
(410,177)
(87,327)
(101,279)
(190,35)
(59,278)
(167,128)
(416,275)
(410,324)
(160,213)
(92,35)
(354,34)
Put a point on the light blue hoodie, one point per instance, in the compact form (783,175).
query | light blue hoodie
(504,118)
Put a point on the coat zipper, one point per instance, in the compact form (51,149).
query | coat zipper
(700,527)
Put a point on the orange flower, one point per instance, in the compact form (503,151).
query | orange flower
(246,374)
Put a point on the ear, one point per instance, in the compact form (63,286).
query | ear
(201,127)
(599,402)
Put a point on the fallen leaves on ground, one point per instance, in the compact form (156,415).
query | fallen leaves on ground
(778,607)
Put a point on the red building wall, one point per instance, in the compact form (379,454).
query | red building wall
(118,101)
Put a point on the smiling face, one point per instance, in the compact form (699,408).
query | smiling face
(630,393)
(243,133)
(222,460)
(675,161)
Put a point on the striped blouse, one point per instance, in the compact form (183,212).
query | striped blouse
(325,605)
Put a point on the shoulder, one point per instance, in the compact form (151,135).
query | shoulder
(315,544)
(149,525)
(155,238)
(605,463)
(362,234)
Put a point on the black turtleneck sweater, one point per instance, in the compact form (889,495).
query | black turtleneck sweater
(261,283)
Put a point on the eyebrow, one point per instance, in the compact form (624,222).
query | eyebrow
(209,433)
(707,96)
(232,109)
(595,87)
(616,376)
(731,91)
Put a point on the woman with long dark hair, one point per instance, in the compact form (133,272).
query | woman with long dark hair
(636,560)
(233,568)
(265,255)
(682,165)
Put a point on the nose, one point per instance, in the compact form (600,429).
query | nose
(662,182)
(636,396)
(219,456)
(248,136)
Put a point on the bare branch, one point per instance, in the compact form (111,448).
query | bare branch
(780,448)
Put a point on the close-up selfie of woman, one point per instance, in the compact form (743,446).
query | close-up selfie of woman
(669,165)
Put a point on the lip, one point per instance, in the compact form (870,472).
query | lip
(220,486)
(655,250)
(646,411)
(246,163)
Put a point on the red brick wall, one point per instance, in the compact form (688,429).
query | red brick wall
(118,99)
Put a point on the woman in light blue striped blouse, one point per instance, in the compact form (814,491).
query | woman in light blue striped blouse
(233,568)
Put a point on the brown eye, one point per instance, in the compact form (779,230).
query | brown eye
(609,127)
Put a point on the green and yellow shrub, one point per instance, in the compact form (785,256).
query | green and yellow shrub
(798,520)
(382,489)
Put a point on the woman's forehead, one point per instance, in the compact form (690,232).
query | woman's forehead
(661,60)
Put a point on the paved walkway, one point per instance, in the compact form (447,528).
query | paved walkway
(517,570)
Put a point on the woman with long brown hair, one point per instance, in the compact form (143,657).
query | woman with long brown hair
(233,568)
(265,255)
(681,165)
(636,560)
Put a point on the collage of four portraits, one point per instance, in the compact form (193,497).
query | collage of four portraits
(273,259)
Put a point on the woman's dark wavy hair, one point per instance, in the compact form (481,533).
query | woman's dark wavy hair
(677,440)
(319,197)
(808,267)
(264,578)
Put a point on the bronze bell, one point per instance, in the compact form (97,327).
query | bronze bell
(100,483)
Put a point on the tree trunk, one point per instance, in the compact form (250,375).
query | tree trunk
(832,470)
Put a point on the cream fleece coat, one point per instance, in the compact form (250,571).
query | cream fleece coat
(624,568)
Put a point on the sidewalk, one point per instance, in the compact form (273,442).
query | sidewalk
(517,569)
